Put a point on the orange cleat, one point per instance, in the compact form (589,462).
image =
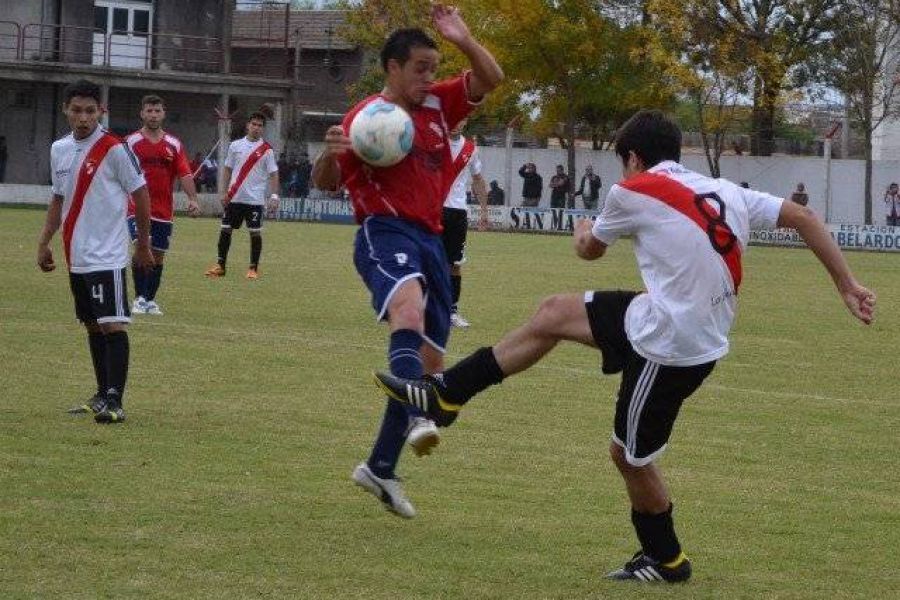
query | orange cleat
(252,274)
(215,271)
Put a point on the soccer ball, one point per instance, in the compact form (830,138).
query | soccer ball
(382,133)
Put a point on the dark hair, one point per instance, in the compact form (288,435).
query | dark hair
(401,42)
(82,89)
(652,136)
(257,115)
(152,99)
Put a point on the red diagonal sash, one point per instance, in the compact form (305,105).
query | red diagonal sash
(89,168)
(697,209)
(462,159)
(247,167)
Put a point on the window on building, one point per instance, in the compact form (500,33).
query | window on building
(141,22)
(120,20)
(101,18)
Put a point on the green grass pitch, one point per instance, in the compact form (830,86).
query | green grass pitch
(249,403)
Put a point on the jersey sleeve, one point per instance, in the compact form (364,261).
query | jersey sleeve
(182,164)
(762,208)
(271,163)
(231,156)
(454,96)
(126,168)
(55,183)
(615,219)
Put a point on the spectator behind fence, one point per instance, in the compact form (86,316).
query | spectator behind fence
(560,186)
(532,185)
(210,174)
(284,175)
(800,196)
(496,195)
(892,204)
(594,184)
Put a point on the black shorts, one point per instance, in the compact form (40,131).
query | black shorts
(456,226)
(650,394)
(101,296)
(237,213)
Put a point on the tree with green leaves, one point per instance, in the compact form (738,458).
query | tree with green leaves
(862,61)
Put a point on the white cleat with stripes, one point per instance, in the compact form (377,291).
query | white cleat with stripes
(643,568)
(422,435)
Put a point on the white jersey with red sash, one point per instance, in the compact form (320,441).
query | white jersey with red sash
(251,163)
(690,232)
(94,176)
(466,164)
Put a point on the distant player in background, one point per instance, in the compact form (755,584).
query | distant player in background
(465,172)
(689,233)
(398,250)
(163,160)
(92,175)
(250,168)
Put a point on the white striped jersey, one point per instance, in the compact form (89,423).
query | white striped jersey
(690,232)
(466,163)
(94,176)
(252,190)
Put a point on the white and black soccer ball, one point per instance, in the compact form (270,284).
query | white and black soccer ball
(382,133)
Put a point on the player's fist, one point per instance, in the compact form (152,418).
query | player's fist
(193,209)
(45,259)
(335,140)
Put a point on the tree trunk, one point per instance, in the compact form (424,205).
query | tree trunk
(765,101)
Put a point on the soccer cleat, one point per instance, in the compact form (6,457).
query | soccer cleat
(643,568)
(425,394)
(422,435)
(253,274)
(389,491)
(94,405)
(139,307)
(215,271)
(111,413)
(456,320)
(152,308)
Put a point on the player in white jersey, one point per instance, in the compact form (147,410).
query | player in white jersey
(249,169)
(93,173)
(466,168)
(689,233)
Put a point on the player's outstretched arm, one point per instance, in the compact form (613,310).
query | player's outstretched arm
(859,300)
(326,172)
(486,73)
(51,225)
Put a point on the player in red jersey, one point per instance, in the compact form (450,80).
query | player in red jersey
(399,253)
(163,160)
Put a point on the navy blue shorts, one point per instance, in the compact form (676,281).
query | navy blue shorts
(390,251)
(160,233)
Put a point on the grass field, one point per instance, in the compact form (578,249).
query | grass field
(250,403)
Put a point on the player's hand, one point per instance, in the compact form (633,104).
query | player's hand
(143,257)
(335,141)
(45,259)
(193,208)
(224,201)
(449,23)
(583,226)
(860,302)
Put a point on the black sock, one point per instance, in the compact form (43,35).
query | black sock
(140,280)
(224,245)
(476,372)
(97,343)
(255,250)
(153,282)
(116,363)
(657,535)
(456,281)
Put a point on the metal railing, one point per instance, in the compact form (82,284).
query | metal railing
(157,51)
(10,37)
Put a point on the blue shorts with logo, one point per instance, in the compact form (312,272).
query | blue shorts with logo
(160,233)
(390,251)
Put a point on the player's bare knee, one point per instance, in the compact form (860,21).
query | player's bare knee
(93,327)
(108,328)
(617,454)
(550,314)
(159,257)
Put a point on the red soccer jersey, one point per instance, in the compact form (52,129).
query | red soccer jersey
(414,189)
(162,162)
